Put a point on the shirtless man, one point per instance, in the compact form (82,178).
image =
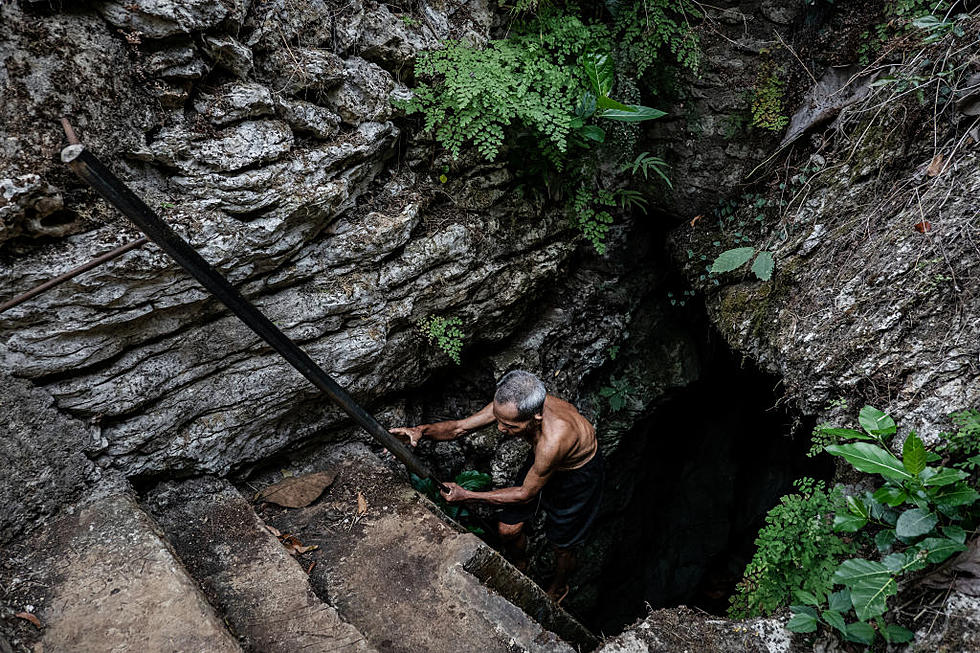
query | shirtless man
(563,474)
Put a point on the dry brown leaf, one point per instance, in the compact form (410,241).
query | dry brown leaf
(936,166)
(273,530)
(361,504)
(304,549)
(962,572)
(29,617)
(310,568)
(297,491)
(694,220)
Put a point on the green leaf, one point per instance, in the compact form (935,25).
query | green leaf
(806,597)
(945,476)
(599,70)
(895,634)
(473,480)
(835,619)
(895,561)
(609,103)
(856,506)
(913,454)
(803,609)
(954,533)
(636,113)
(593,133)
(845,433)
(840,601)
(954,495)
(885,539)
(891,495)
(731,259)
(940,548)
(915,522)
(876,422)
(849,523)
(763,266)
(802,623)
(871,584)
(870,458)
(861,633)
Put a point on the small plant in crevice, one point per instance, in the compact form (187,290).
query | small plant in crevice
(768,97)
(444,333)
(616,393)
(471,480)
(919,516)
(732,259)
(964,444)
(796,551)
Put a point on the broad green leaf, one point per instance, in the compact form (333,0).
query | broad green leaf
(954,495)
(803,609)
(849,523)
(636,113)
(876,422)
(593,133)
(895,561)
(731,259)
(599,69)
(763,265)
(895,634)
(806,597)
(473,480)
(840,601)
(940,548)
(845,433)
(856,506)
(861,633)
(802,623)
(870,597)
(885,539)
(891,495)
(945,476)
(870,458)
(857,569)
(913,454)
(932,457)
(954,533)
(609,103)
(915,522)
(834,619)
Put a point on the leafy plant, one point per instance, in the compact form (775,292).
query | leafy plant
(918,515)
(732,259)
(646,29)
(644,163)
(616,393)
(964,444)
(470,480)
(796,552)
(445,333)
(767,99)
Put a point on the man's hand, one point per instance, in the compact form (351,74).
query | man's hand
(412,433)
(456,493)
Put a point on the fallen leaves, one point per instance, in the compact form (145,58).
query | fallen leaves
(923,226)
(361,504)
(936,166)
(29,617)
(292,543)
(297,491)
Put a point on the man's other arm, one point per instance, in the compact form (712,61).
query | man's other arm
(545,462)
(448,430)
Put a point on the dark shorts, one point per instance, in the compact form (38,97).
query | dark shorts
(570,500)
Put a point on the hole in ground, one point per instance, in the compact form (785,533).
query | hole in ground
(696,480)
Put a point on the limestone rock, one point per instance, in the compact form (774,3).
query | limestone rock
(295,70)
(388,40)
(231,55)
(364,94)
(30,206)
(307,117)
(309,23)
(242,145)
(157,19)
(235,101)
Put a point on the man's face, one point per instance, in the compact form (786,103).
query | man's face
(509,423)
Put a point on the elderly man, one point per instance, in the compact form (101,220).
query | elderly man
(563,473)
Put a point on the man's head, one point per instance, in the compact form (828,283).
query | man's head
(518,403)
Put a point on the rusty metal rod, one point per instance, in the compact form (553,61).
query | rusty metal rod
(51,283)
(91,170)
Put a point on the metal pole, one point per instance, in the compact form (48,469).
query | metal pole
(91,170)
(51,283)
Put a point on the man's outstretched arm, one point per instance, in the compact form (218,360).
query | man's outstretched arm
(449,430)
(545,462)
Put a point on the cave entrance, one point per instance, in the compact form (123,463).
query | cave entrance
(697,480)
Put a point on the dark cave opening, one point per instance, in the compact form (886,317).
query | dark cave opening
(693,490)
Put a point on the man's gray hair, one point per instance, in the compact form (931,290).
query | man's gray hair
(524,390)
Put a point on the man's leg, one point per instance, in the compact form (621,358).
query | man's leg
(565,563)
(515,543)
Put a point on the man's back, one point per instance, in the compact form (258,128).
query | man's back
(563,427)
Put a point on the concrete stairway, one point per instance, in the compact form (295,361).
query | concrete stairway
(389,574)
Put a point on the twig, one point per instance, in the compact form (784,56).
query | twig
(793,52)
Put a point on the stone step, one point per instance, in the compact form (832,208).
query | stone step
(103,579)
(246,573)
(411,581)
